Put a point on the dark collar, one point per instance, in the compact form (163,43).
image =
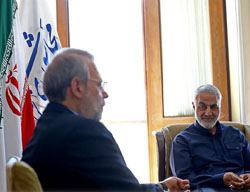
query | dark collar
(205,131)
(57,107)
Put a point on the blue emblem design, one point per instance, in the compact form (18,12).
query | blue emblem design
(50,46)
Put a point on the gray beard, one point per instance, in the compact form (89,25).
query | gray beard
(208,126)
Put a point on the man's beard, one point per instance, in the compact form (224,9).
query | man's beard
(98,115)
(207,125)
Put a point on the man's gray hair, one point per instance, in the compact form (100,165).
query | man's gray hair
(66,64)
(209,89)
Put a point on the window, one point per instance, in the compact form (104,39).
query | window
(153,50)
(154,66)
(112,31)
(186,56)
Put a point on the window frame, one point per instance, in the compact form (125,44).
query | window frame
(153,65)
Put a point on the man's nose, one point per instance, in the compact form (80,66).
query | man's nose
(208,111)
(105,94)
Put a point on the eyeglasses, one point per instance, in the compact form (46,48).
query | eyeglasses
(99,83)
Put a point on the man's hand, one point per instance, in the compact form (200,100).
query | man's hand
(175,184)
(246,178)
(234,181)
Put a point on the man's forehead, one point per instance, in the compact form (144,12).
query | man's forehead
(207,98)
(93,71)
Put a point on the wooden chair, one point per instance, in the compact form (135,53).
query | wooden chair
(21,177)
(164,139)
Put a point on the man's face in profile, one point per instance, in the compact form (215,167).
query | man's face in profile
(207,110)
(95,94)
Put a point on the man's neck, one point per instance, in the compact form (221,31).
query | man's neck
(213,130)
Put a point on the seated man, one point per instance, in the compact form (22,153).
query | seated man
(70,149)
(208,153)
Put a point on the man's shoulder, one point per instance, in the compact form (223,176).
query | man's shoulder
(186,133)
(232,133)
(64,115)
(63,120)
(229,128)
(187,130)
(83,124)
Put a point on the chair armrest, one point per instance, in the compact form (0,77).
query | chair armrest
(160,141)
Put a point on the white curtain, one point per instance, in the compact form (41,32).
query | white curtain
(238,14)
(186,53)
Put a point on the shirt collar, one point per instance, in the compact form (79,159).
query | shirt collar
(72,111)
(52,106)
(206,131)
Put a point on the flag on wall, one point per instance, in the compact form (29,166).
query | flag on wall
(24,56)
(41,41)
(13,86)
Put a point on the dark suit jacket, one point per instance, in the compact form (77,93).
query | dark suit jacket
(71,152)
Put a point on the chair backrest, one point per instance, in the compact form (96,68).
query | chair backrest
(164,139)
(21,177)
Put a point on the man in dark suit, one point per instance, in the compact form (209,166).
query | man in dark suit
(71,150)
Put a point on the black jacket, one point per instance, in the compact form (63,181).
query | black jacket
(71,152)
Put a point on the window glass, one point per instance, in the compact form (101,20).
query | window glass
(186,53)
(112,31)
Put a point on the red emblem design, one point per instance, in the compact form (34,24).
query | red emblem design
(12,100)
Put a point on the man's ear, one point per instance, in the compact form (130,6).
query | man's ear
(77,87)
(193,105)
